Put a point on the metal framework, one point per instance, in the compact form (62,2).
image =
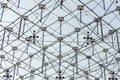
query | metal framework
(59,40)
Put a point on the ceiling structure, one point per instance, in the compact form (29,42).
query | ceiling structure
(59,39)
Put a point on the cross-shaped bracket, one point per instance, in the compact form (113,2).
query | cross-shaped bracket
(7,76)
(34,37)
(112,76)
(60,76)
(61,3)
(88,38)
